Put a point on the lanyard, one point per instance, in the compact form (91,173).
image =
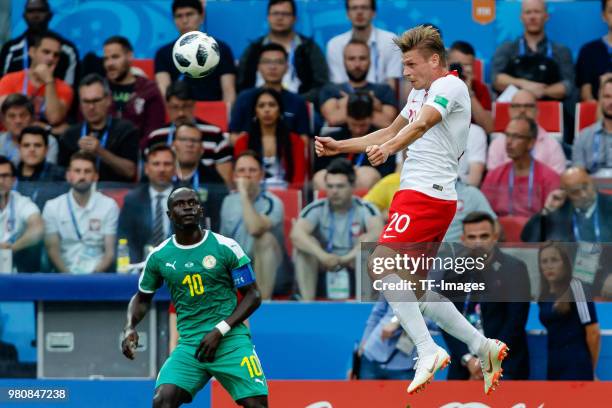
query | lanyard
(195,180)
(375,55)
(596,226)
(104,139)
(170,137)
(10,221)
(530,186)
(596,150)
(359,160)
(523,48)
(332,227)
(73,218)
(291,56)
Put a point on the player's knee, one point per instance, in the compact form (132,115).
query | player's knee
(255,402)
(166,397)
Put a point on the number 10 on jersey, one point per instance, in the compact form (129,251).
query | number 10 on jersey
(196,287)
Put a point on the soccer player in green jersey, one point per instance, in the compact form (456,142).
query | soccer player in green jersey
(202,270)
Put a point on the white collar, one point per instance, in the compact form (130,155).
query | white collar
(90,202)
(153,192)
(192,245)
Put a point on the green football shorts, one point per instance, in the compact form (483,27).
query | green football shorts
(238,369)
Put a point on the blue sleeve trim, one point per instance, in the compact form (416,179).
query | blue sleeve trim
(243,276)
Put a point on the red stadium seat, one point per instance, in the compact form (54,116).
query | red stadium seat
(478,69)
(214,112)
(319,194)
(292,201)
(512,227)
(117,194)
(550,116)
(586,115)
(147,65)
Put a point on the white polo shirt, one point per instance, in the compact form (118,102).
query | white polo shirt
(81,229)
(14,217)
(385,57)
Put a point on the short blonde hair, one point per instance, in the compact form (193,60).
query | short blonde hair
(424,38)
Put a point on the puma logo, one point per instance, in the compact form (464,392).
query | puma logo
(433,366)
(171,265)
(490,369)
(259,381)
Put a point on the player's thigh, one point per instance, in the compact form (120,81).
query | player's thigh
(240,372)
(183,370)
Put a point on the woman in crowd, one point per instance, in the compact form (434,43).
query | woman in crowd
(570,319)
(283,152)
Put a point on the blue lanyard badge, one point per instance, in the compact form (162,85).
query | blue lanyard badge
(104,139)
(596,226)
(523,48)
(73,218)
(170,137)
(530,187)
(332,227)
(596,151)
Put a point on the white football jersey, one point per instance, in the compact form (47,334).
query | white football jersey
(432,161)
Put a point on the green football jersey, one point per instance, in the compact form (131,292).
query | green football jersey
(200,283)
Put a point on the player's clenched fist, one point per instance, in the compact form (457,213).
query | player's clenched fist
(129,343)
(326,146)
(377,155)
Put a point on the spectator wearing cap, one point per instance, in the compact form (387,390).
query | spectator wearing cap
(17,114)
(307,68)
(135,98)
(51,96)
(81,225)
(521,186)
(143,220)
(220,85)
(14,54)
(114,142)
(22,226)
(272,67)
(217,156)
(283,152)
(359,113)
(334,97)
(328,236)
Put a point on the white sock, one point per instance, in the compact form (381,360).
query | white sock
(406,307)
(447,317)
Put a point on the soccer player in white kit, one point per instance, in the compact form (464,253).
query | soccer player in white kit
(435,124)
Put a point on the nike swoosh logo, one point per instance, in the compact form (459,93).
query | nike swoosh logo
(490,370)
(389,236)
(431,370)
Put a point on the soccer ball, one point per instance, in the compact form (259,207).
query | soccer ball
(195,54)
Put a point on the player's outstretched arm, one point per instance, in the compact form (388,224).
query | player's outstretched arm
(427,118)
(137,310)
(326,146)
(251,299)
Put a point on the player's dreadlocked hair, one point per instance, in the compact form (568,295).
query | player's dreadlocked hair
(424,38)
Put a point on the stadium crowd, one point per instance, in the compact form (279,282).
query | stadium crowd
(91,149)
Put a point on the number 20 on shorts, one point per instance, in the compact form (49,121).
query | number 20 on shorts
(399,223)
(253,365)
(196,287)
